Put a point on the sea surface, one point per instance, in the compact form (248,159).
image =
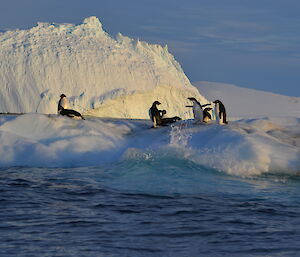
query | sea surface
(148,206)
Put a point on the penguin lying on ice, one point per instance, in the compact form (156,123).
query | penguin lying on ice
(71,113)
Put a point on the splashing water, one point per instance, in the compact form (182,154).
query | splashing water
(179,136)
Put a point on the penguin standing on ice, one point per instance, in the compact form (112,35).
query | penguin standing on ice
(206,115)
(63,103)
(197,109)
(62,108)
(220,112)
(198,112)
(155,114)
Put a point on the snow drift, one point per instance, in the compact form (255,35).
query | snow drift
(101,75)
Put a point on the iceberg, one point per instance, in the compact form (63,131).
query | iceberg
(101,75)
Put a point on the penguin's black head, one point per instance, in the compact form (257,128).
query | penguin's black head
(62,95)
(207,109)
(192,98)
(156,103)
(217,101)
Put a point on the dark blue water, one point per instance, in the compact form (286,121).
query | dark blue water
(147,207)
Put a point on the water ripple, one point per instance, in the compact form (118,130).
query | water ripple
(105,211)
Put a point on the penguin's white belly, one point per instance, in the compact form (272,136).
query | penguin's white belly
(217,112)
(221,121)
(198,114)
(64,103)
(206,119)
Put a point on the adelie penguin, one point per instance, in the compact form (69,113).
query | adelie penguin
(207,115)
(220,112)
(198,111)
(63,103)
(156,116)
(71,113)
(61,109)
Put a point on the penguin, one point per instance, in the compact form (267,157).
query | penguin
(220,112)
(197,109)
(63,103)
(163,113)
(166,120)
(206,115)
(70,113)
(157,116)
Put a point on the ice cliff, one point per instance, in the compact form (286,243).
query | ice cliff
(104,76)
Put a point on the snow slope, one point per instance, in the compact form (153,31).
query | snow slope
(101,75)
(243,102)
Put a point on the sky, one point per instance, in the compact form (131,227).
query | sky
(248,43)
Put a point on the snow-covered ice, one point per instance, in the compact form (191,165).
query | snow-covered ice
(51,140)
(249,147)
(244,147)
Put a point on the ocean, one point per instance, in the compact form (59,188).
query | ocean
(149,205)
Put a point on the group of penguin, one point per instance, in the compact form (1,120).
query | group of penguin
(204,115)
(158,116)
(200,114)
